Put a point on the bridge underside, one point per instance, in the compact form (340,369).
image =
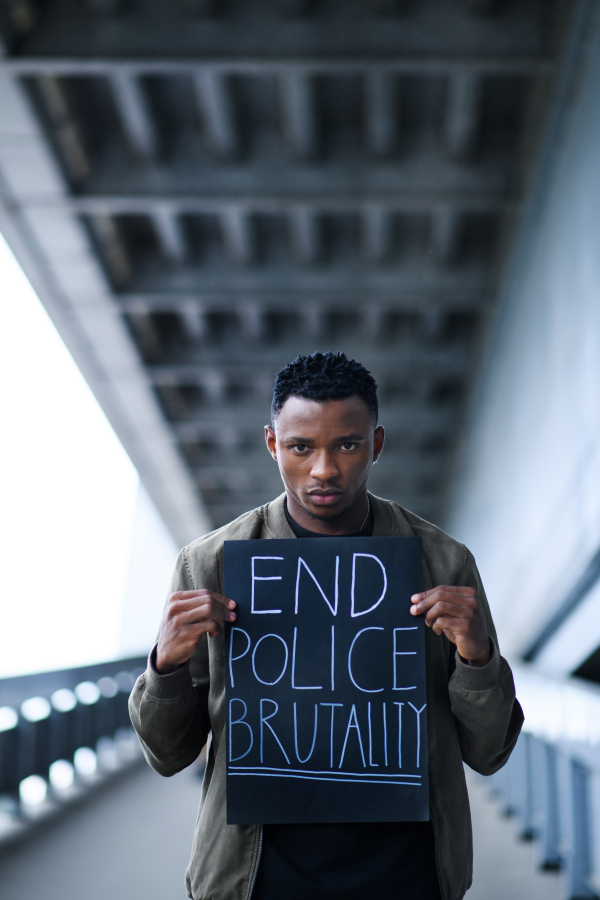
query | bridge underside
(201,190)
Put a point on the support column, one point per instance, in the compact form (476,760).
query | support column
(299,114)
(168,228)
(462,113)
(380,113)
(217,109)
(135,114)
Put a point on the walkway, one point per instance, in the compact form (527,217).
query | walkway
(132,842)
(504,868)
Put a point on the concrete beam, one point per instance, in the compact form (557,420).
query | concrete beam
(305,235)
(410,64)
(134,112)
(112,249)
(149,340)
(401,203)
(251,315)
(233,425)
(68,137)
(298,113)
(409,278)
(372,321)
(462,113)
(416,175)
(313,315)
(238,234)
(445,235)
(57,255)
(217,111)
(258,460)
(321,301)
(381,113)
(193,316)
(213,381)
(243,364)
(376,230)
(174,402)
(169,231)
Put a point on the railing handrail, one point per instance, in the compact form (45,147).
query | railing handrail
(16,689)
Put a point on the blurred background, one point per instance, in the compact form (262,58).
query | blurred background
(191,193)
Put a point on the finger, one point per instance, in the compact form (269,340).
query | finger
(447,625)
(449,610)
(430,597)
(191,599)
(462,590)
(195,630)
(203,613)
(466,601)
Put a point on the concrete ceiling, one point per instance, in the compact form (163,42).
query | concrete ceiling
(201,190)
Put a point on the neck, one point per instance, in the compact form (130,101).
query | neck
(351,521)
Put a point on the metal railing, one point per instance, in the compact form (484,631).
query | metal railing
(62,734)
(551,783)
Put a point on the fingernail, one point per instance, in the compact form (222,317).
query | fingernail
(231,604)
(231,616)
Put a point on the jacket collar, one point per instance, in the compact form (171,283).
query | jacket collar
(388,519)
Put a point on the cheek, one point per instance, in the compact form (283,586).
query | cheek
(358,464)
(291,468)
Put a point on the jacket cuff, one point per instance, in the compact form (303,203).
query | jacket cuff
(478,678)
(167,687)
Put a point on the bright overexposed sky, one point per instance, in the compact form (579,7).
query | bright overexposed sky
(69,498)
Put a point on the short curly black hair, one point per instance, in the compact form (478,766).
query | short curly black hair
(324,376)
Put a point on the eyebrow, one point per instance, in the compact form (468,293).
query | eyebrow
(343,439)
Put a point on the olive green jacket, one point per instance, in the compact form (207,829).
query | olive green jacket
(472,713)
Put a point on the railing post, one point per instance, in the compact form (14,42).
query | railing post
(9,751)
(579,866)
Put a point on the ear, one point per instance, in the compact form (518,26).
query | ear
(271,441)
(378,442)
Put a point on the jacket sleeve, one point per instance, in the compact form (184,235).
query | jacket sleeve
(170,712)
(488,715)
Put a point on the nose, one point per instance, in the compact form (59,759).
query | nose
(323,467)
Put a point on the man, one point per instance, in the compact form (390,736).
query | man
(325,438)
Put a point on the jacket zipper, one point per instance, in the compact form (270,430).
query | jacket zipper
(435,845)
(254,877)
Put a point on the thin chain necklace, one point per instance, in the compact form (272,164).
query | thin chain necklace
(367,515)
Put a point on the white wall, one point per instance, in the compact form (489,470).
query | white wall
(85,559)
(528,501)
(152,554)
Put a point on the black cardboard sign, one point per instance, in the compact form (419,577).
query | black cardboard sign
(326,703)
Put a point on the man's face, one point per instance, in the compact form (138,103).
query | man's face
(325,452)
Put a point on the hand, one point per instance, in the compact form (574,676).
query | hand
(456,612)
(187,616)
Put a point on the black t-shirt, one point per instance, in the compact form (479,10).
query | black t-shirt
(353,861)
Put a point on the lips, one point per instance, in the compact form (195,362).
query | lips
(324,499)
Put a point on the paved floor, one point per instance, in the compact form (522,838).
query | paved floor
(504,868)
(132,842)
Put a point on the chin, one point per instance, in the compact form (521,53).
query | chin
(325,515)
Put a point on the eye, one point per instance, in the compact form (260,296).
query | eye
(299,448)
(349,445)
